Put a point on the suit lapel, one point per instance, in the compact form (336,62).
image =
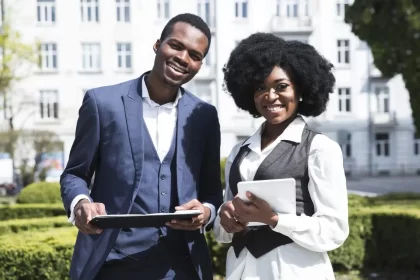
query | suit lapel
(133,107)
(184,135)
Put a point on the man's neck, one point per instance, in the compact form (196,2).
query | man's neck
(158,91)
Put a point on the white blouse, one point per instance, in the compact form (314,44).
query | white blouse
(313,236)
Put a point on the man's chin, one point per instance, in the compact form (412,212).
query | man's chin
(172,83)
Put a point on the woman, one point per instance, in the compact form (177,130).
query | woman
(281,82)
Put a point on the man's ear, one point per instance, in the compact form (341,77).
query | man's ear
(156,46)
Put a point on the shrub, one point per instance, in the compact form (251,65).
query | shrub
(40,192)
(380,238)
(42,255)
(25,211)
(39,224)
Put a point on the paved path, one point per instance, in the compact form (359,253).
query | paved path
(382,185)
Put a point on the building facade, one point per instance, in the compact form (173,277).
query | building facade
(89,43)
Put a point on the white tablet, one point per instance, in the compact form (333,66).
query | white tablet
(280,194)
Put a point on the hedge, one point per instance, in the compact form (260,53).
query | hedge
(380,238)
(24,211)
(37,255)
(40,192)
(39,224)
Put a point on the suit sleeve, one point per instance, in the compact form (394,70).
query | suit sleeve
(210,183)
(83,156)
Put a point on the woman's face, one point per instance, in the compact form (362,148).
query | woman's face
(276,100)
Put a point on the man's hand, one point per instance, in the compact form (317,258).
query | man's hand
(84,211)
(257,210)
(196,222)
(227,219)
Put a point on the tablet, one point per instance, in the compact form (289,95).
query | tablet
(280,194)
(139,220)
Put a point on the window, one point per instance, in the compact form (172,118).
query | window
(278,3)
(123,10)
(346,146)
(341,7)
(382,99)
(163,9)
(416,145)
(241,8)
(203,10)
(91,56)
(292,8)
(203,91)
(48,104)
(89,10)
(124,56)
(48,56)
(343,47)
(344,100)
(46,11)
(382,144)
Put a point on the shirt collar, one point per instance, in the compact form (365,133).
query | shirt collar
(146,96)
(293,132)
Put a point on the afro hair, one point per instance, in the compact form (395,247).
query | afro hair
(253,59)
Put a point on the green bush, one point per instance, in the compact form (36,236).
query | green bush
(380,238)
(39,224)
(37,255)
(222,172)
(40,192)
(26,211)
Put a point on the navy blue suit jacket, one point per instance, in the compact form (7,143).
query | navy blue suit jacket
(109,143)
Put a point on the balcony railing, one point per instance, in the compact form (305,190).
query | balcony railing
(283,24)
(384,118)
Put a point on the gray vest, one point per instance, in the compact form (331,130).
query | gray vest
(287,160)
(158,193)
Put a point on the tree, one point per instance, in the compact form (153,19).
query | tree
(392,30)
(14,56)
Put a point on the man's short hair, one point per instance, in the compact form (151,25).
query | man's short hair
(192,20)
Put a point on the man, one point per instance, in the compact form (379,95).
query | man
(152,146)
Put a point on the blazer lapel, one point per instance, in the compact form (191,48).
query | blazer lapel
(133,107)
(184,135)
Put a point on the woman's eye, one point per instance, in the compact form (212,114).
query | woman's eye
(260,88)
(282,86)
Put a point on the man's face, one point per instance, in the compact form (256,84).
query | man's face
(178,57)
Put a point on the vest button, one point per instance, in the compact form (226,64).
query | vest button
(162,177)
(163,193)
(162,210)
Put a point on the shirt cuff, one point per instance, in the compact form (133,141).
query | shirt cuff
(73,204)
(286,224)
(212,213)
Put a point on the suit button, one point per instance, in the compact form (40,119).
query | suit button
(163,193)
(162,177)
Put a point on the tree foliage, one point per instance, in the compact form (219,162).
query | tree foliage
(392,30)
(15,57)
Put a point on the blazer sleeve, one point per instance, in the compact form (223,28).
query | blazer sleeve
(210,183)
(83,156)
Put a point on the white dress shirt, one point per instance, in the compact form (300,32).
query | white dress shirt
(313,236)
(160,121)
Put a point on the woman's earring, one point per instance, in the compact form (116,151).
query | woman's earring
(300,99)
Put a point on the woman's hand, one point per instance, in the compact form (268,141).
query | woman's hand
(227,219)
(256,210)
